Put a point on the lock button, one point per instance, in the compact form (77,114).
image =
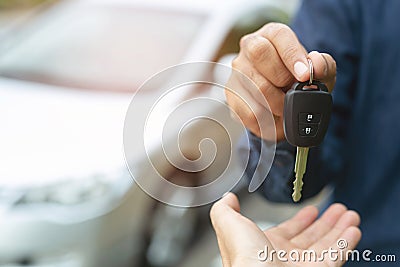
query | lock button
(308,117)
(308,129)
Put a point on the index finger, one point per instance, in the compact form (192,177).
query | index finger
(292,53)
(295,225)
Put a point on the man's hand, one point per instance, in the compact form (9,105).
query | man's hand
(240,240)
(273,59)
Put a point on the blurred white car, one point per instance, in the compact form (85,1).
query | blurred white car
(66,79)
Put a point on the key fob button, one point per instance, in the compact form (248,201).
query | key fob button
(308,117)
(308,129)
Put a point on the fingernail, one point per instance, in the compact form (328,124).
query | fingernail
(300,69)
(224,195)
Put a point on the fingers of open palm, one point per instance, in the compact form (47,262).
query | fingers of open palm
(320,227)
(261,89)
(352,235)
(292,227)
(324,68)
(348,219)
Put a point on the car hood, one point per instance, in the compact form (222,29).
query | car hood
(49,134)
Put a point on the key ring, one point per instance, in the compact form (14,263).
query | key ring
(311,71)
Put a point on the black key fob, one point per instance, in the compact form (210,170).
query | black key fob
(307,111)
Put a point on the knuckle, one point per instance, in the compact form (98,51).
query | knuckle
(244,40)
(275,29)
(251,78)
(282,78)
(271,26)
(289,53)
(264,87)
(255,50)
(236,63)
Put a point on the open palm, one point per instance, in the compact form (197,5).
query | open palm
(240,240)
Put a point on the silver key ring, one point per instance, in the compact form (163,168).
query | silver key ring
(311,71)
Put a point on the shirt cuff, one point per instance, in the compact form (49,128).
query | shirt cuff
(278,182)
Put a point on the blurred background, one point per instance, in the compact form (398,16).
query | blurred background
(68,71)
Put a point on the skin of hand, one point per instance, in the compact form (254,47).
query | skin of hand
(240,239)
(273,59)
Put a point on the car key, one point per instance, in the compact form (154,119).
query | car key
(307,111)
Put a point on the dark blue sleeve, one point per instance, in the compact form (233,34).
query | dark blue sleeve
(278,185)
(329,26)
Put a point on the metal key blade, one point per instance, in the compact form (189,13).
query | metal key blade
(299,169)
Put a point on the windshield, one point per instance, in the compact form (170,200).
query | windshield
(100,47)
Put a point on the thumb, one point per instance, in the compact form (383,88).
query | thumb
(225,210)
(231,200)
(221,212)
(238,237)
